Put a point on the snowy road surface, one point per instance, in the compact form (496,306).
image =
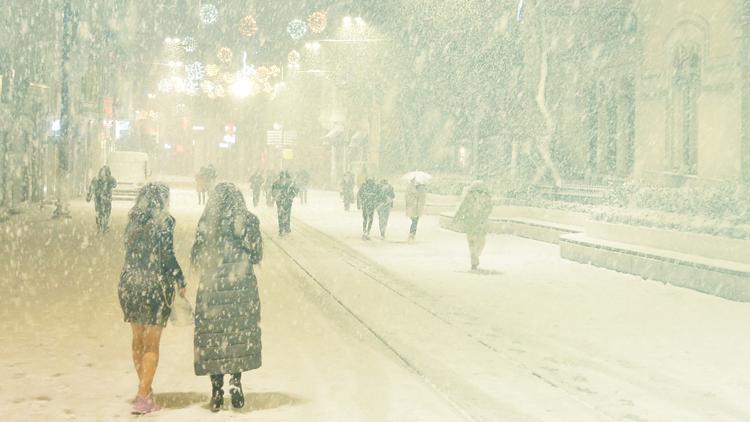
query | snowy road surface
(65,351)
(375,331)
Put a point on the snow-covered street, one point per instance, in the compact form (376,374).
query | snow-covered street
(377,330)
(65,351)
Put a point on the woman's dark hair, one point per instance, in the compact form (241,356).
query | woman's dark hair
(106,170)
(225,205)
(151,201)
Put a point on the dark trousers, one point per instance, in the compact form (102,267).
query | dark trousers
(368,214)
(413,228)
(384,214)
(103,211)
(285,217)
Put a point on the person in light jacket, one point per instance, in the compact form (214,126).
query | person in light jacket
(416,199)
(472,216)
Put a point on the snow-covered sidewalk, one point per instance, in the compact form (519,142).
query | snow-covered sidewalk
(623,347)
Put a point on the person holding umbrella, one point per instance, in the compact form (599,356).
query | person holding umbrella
(416,199)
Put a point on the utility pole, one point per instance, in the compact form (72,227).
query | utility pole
(63,144)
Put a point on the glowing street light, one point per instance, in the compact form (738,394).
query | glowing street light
(242,88)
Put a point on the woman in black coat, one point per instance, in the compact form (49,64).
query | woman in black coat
(147,284)
(227,316)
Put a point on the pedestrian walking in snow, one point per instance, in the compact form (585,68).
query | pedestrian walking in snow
(201,185)
(472,216)
(416,199)
(303,184)
(386,196)
(267,188)
(147,284)
(227,337)
(347,190)
(100,190)
(284,191)
(210,176)
(256,185)
(368,197)
(361,178)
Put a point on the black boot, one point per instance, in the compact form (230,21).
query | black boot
(217,394)
(235,389)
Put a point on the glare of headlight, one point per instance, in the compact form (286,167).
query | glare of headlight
(347,22)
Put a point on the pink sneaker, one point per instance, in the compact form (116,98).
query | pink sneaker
(142,405)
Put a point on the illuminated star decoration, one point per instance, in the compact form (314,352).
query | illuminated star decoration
(294,58)
(248,26)
(165,85)
(212,70)
(224,54)
(209,14)
(173,47)
(189,44)
(317,22)
(195,71)
(263,73)
(296,29)
(191,87)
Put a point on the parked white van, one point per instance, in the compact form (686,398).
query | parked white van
(130,169)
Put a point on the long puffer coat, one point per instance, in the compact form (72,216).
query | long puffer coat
(473,213)
(227,313)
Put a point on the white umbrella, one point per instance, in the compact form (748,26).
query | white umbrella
(418,177)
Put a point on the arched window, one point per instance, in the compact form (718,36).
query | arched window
(686,84)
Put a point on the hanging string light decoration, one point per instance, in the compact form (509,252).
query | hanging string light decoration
(296,29)
(191,87)
(195,71)
(173,48)
(228,78)
(248,26)
(224,54)
(294,57)
(275,71)
(317,22)
(212,70)
(209,14)
(165,85)
(208,87)
(263,73)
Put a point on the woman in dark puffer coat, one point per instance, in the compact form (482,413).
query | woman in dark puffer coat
(227,316)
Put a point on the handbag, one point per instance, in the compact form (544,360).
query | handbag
(182,312)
